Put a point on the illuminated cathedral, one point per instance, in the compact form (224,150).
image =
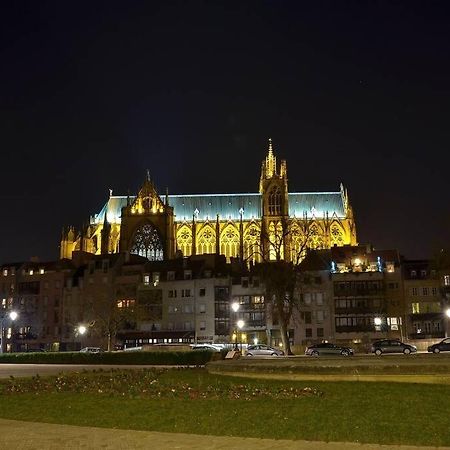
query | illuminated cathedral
(271,224)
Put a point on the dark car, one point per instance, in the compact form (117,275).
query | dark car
(327,348)
(443,346)
(392,346)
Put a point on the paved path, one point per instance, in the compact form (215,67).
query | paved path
(29,370)
(17,435)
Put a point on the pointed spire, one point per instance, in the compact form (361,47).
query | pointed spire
(148,175)
(270,147)
(167,196)
(271,162)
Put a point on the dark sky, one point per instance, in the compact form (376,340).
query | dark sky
(94,93)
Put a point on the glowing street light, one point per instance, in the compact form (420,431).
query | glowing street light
(240,324)
(377,321)
(235,306)
(447,314)
(81,329)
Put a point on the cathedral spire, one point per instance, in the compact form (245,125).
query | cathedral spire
(148,175)
(271,162)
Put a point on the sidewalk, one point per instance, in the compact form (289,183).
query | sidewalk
(17,435)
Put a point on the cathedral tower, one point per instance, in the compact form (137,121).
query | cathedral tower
(273,187)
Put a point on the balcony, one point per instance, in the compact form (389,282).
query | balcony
(355,328)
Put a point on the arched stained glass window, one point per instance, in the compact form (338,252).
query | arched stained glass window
(229,242)
(184,240)
(147,243)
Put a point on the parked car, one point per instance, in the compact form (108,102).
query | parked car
(327,348)
(91,350)
(263,350)
(443,346)
(392,346)
(210,347)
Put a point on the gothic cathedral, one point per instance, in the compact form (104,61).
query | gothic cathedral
(269,225)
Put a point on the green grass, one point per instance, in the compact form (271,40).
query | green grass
(193,401)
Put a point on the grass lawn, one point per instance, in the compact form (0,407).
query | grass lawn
(193,401)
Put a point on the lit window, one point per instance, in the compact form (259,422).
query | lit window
(41,271)
(155,278)
(5,272)
(31,272)
(390,267)
(146,280)
(415,308)
(447,280)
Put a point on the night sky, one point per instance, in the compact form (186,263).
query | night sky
(94,93)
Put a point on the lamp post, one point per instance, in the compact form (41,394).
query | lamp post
(240,324)
(447,314)
(11,315)
(81,331)
(235,308)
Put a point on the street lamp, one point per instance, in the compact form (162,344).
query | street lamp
(447,313)
(81,330)
(11,315)
(235,307)
(240,324)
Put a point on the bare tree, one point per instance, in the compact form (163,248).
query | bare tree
(281,251)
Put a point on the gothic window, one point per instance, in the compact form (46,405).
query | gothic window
(315,238)
(337,237)
(147,243)
(275,201)
(229,242)
(252,243)
(297,242)
(206,240)
(276,241)
(184,240)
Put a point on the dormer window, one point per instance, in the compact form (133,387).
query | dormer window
(188,274)
(413,273)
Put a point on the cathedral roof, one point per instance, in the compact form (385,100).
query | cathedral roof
(228,206)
